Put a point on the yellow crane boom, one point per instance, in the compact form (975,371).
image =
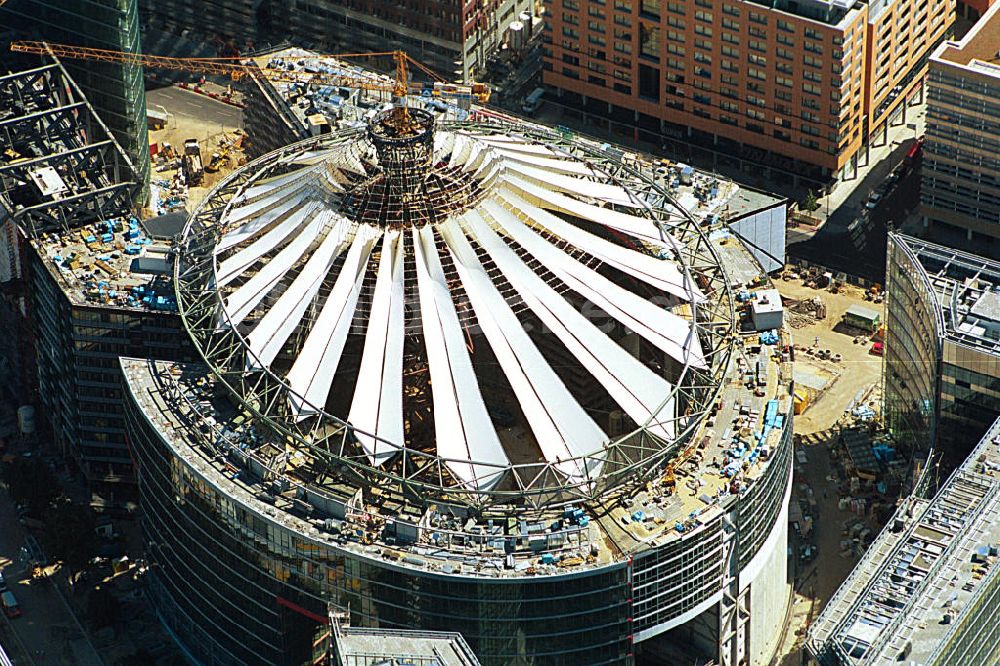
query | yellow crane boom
(235,68)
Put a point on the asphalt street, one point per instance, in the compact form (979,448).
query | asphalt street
(836,248)
(46,634)
(189,104)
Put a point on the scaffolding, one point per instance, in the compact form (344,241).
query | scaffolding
(116,91)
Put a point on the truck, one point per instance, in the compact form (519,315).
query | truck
(191,162)
(533,101)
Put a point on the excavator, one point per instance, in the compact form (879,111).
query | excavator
(400,86)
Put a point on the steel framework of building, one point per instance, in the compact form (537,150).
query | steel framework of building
(60,167)
(330,444)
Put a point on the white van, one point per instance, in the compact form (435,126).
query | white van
(533,101)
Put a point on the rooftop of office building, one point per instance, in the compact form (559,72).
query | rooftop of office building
(347,93)
(575,509)
(967,290)
(118,263)
(979,49)
(907,595)
(357,646)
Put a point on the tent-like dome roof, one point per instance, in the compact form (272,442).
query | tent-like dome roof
(479,296)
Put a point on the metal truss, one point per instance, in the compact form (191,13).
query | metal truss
(329,443)
(45,122)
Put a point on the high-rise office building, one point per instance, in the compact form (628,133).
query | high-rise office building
(942,352)
(116,91)
(801,87)
(960,178)
(469,376)
(86,281)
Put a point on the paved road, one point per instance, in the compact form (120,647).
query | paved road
(189,104)
(832,246)
(46,630)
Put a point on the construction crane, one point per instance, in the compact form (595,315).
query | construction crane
(235,68)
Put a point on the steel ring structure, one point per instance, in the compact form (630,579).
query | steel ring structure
(475,313)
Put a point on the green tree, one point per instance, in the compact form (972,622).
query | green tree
(69,533)
(810,203)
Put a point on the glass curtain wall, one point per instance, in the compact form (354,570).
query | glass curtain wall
(912,351)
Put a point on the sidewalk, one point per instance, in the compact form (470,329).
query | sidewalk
(848,198)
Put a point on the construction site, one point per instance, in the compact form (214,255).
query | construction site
(925,590)
(500,437)
(371,187)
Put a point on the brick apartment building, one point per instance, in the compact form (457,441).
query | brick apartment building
(802,87)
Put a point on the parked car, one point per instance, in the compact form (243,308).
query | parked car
(873,201)
(3,583)
(10,606)
(878,349)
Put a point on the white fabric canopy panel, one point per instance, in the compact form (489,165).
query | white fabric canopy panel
(271,333)
(377,408)
(562,428)
(464,430)
(478,152)
(460,151)
(572,167)
(311,376)
(242,302)
(639,391)
(660,273)
(667,331)
(443,141)
(266,185)
(588,188)
(244,258)
(518,146)
(278,206)
(642,228)
(311,157)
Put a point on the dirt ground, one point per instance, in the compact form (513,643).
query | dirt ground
(816,430)
(183,124)
(858,369)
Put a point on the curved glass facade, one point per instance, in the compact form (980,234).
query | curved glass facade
(240,585)
(912,349)
(678,576)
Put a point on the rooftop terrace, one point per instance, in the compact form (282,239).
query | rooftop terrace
(980,47)
(355,646)
(909,591)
